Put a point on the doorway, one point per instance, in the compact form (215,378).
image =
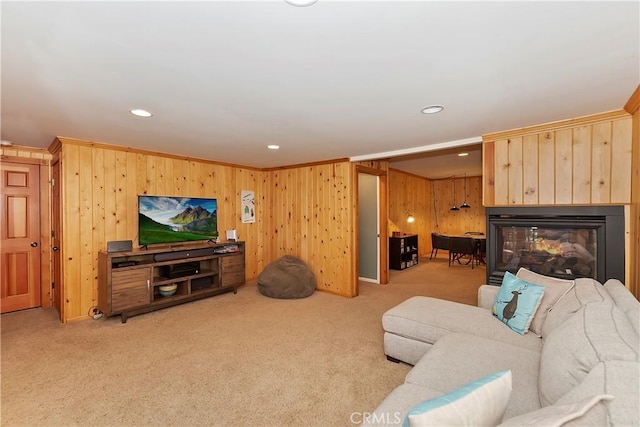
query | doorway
(368,228)
(20,236)
(371,225)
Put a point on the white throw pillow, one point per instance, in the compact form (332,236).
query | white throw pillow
(479,403)
(555,289)
(556,415)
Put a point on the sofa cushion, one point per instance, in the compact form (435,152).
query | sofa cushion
(457,359)
(554,289)
(486,295)
(584,292)
(557,415)
(517,302)
(408,350)
(597,332)
(394,408)
(625,301)
(479,403)
(616,378)
(428,319)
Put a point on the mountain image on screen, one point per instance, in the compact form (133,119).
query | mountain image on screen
(174,219)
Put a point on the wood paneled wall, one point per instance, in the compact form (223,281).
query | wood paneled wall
(100,185)
(312,216)
(411,193)
(445,220)
(573,162)
(430,201)
(633,248)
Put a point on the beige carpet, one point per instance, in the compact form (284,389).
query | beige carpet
(235,360)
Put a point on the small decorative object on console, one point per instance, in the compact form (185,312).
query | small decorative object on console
(167,290)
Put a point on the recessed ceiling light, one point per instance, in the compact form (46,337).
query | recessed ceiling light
(273,147)
(300,3)
(140,112)
(432,109)
(462,154)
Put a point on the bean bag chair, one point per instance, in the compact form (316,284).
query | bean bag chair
(287,277)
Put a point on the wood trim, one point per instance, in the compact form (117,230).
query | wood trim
(65,140)
(25,160)
(409,174)
(633,267)
(554,126)
(24,152)
(633,104)
(370,171)
(489,175)
(304,165)
(384,229)
(45,236)
(55,146)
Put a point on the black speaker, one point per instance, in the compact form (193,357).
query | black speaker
(120,246)
(201,283)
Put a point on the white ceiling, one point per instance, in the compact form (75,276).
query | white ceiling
(333,80)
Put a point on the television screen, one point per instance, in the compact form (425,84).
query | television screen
(176,219)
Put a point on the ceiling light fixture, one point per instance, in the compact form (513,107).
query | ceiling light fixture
(140,112)
(432,109)
(462,154)
(273,147)
(300,3)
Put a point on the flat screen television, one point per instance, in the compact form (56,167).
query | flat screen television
(163,220)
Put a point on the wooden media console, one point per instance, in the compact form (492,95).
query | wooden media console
(131,283)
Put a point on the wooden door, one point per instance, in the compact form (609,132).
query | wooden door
(20,237)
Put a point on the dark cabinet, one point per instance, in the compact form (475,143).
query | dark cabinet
(403,252)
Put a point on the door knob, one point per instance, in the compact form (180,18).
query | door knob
(34,244)
(55,248)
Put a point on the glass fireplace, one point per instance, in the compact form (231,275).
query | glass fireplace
(561,241)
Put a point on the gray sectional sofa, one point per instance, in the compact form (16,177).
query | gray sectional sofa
(588,346)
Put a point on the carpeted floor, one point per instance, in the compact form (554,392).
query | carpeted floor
(232,360)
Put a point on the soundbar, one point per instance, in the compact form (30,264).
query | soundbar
(171,256)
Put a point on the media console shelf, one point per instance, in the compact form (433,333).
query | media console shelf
(129,283)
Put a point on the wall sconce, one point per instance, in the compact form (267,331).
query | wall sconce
(454,207)
(410,218)
(465,205)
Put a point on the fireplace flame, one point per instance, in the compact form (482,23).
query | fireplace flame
(564,249)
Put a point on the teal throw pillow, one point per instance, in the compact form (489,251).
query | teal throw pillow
(480,403)
(517,302)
